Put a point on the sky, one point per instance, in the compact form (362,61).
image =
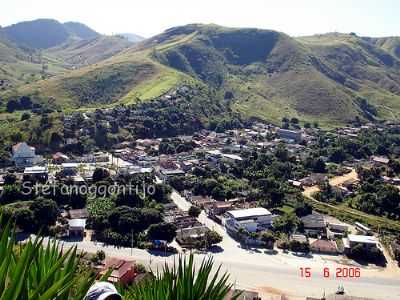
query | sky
(149,17)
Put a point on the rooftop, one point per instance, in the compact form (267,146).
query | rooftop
(35,170)
(364,239)
(250,212)
(77,223)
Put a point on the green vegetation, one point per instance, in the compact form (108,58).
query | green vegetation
(37,271)
(179,282)
(267,74)
(34,271)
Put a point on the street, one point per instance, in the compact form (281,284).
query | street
(277,273)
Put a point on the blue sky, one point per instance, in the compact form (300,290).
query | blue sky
(149,17)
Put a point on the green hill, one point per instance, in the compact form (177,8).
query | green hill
(331,78)
(37,34)
(78,53)
(81,30)
(40,49)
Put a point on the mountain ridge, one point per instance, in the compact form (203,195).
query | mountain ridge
(331,79)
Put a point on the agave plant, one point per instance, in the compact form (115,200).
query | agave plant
(183,282)
(38,272)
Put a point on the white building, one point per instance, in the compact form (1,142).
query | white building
(76,227)
(251,220)
(24,156)
(289,134)
(367,241)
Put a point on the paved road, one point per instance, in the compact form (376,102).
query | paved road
(255,269)
(275,273)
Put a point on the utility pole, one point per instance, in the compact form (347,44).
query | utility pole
(131,242)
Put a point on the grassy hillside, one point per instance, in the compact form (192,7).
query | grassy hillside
(81,30)
(331,79)
(22,65)
(128,77)
(37,34)
(78,53)
(39,49)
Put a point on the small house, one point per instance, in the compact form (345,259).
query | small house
(76,227)
(324,246)
(124,272)
(314,224)
(24,155)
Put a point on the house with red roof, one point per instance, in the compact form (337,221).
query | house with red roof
(123,272)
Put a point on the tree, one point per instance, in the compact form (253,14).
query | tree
(100,174)
(25,102)
(25,116)
(24,218)
(12,105)
(45,212)
(194,211)
(302,208)
(394,164)
(161,193)
(125,219)
(218,193)
(338,155)
(162,231)
(11,193)
(282,153)
(269,239)
(286,223)
(212,237)
(10,179)
(101,255)
(297,246)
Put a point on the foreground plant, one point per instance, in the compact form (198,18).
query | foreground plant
(37,272)
(183,282)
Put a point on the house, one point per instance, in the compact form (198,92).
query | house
(244,295)
(134,170)
(231,158)
(76,227)
(186,237)
(218,208)
(324,246)
(314,224)
(336,230)
(201,201)
(287,134)
(339,296)
(124,272)
(24,156)
(313,179)
(37,172)
(368,242)
(361,228)
(78,213)
(167,174)
(70,169)
(251,219)
(301,238)
(59,158)
(380,160)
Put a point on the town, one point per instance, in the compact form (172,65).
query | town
(291,190)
